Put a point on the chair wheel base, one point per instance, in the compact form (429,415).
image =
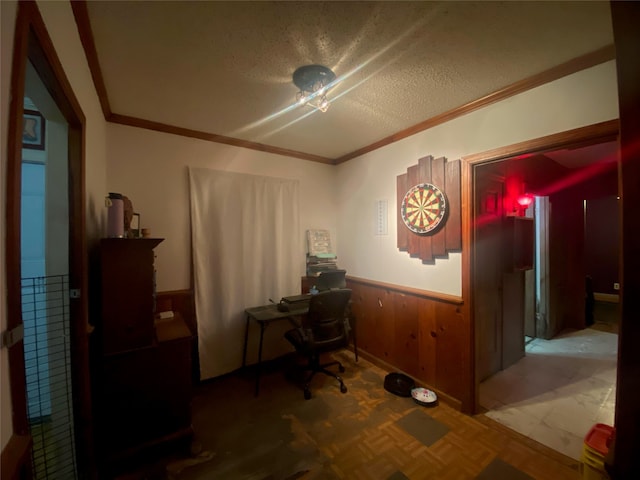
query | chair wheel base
(341,368)
(343,388)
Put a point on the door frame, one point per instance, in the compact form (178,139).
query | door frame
(32,43)
(591,134)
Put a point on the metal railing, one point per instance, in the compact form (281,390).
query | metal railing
(46,319)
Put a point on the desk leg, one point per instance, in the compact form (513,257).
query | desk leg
(355,341)
(262,327)
(355,345)
(246,338)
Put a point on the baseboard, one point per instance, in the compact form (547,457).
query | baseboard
(606,297)
(16,457)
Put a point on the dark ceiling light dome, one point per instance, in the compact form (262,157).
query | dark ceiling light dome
(313,81)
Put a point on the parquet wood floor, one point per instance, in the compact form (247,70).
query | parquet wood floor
(367,433)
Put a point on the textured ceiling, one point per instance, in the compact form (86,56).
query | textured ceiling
(225,67)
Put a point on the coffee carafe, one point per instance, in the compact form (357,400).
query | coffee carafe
(115,215)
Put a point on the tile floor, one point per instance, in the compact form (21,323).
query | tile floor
(558,391)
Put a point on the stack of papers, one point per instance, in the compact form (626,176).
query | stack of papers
(320,256)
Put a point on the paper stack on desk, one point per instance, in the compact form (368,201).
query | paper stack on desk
(320,256)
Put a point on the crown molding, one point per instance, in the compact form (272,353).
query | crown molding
(212,137)
(589,60)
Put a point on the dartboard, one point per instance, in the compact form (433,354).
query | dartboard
(423,208)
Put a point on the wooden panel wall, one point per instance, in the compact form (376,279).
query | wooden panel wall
(422,334)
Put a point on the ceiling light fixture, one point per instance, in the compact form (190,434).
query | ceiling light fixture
(313,81)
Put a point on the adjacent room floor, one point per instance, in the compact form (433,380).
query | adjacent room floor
(561,388)
(366,433)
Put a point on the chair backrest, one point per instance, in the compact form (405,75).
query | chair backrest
(326,316)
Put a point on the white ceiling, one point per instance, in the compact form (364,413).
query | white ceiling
(225,67)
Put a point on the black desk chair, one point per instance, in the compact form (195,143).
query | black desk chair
(324,328)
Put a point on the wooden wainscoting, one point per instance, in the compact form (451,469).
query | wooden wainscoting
(422,334)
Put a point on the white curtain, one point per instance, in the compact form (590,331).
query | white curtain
(247,249)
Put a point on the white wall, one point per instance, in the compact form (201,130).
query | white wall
(151,168)
(581,99)
(61,27)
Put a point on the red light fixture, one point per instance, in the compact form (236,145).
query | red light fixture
(525,200)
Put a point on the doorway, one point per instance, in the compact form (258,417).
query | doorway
(58,115)
(45,283)
(565,381)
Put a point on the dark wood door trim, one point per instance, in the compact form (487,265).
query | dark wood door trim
(32,43)
(12,206)
(625,17)
(15,457)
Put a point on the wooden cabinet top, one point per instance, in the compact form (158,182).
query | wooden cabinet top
(141,243)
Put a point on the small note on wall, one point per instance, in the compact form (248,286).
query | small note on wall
(382,217)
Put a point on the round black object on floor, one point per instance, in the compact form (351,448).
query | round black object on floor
(399,384)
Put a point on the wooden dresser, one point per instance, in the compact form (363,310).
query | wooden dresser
(142,365)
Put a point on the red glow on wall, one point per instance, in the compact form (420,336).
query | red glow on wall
(514,196)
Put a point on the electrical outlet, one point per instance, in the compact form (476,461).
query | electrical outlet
(616,286)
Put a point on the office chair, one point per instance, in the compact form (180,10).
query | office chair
(324,328)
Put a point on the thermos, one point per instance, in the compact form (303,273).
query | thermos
(115,215)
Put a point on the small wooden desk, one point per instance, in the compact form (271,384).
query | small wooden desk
(264,315)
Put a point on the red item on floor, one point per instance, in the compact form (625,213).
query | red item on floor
(599,437)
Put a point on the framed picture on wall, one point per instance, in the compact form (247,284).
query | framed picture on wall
(33,124)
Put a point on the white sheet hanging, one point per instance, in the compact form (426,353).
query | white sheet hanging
(247,249)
